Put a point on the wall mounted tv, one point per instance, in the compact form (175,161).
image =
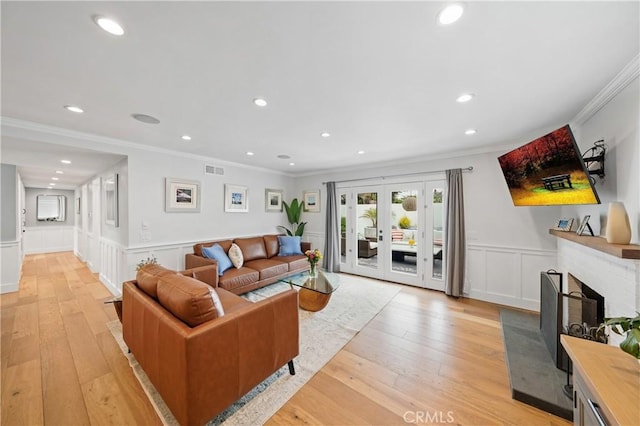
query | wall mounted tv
(548,171)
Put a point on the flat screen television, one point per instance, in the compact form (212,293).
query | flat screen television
(548,171)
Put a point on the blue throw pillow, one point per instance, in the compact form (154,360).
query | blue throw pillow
(289,245)
(217,252)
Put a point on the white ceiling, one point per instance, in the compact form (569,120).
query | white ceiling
(379,76)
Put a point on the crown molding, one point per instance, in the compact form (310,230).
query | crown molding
(60,136)
(629,73)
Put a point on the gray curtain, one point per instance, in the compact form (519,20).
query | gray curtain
(455,247)
(331,253)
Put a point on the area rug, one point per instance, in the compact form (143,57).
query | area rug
(322,335)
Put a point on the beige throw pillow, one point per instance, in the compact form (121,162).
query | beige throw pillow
(235,254)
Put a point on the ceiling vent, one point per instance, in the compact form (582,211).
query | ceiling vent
(213,170)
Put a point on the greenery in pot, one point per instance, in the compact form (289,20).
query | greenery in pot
(630,327)
(294,211)
(372,215)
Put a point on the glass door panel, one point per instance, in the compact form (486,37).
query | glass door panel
(366,243)
(405,237)
(435,233)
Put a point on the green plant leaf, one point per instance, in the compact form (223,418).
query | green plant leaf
(300,229)
(630,343)
(286,230)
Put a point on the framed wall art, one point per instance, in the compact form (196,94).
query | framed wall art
(311,201)
(236,198)
(182,196)
(273,200)
(110,194)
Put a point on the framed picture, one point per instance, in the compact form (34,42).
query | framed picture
(311,201)
(563,225)
(182,196)
(110,194)
(273,200)
(236,198)
(584,224)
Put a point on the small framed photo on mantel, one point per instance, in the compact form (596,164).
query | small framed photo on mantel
(564,225)
(584,225)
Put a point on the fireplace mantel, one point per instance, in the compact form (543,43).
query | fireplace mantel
(623,251)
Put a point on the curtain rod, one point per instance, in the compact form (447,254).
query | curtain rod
(467,169)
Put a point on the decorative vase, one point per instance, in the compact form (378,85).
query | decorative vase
(312,271)
(618,226)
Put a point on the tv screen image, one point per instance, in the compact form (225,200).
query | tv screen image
(548,171)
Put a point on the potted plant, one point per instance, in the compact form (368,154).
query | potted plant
(404,222)
(630,327)
(294,211)
(372,215)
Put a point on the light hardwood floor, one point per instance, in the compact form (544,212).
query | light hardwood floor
(424,359)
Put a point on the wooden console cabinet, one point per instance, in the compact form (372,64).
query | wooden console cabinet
(606,383)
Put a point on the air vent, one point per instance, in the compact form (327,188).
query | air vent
(213,170)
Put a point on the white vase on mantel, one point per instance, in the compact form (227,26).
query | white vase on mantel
(618,226)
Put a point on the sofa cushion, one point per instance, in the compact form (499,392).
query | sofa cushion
(234,278)
(197,248)
(252,248)
(296,262)
(147,278)
(268,268)
(235,254)
(289,245)
(216,302)
(217,252)
(187,299)
(272,245)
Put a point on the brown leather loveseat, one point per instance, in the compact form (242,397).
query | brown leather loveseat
(202,357)
(263,265)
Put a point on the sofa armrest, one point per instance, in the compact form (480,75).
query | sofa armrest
(207,274)
(193,261)
(304,246)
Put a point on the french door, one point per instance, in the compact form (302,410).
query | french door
(394,232)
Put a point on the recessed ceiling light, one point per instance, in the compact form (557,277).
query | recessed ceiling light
(292,164)
(470,132)
(260,102)
(109,25)
(73,108)
(361,152)
(52,184)
(465,97)
(55,178)
(325,134)
(249,153)
(185,137)
(59,172)
(65,161)
(450,14)
(284,156)
(145,118)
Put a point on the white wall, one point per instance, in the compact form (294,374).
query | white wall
(617,123)
(9,229)
(44,236)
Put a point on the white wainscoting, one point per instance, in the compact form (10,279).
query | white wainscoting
(47,239)
(11,262)
(507,275)
(316,239)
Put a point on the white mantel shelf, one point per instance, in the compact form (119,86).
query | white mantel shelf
(623,251)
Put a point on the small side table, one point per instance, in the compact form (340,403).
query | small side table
(117,305)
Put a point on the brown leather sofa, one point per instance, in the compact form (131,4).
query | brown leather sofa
(262,265)
(201,362)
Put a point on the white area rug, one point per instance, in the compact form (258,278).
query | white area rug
(322,335)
